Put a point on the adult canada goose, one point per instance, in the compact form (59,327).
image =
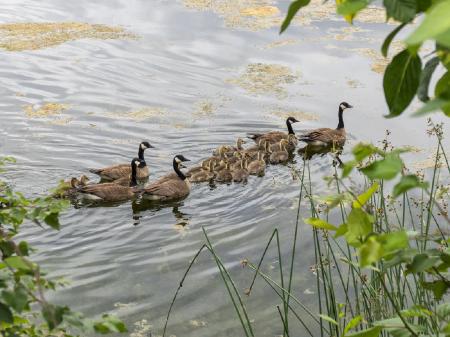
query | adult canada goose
(169,187)
(123,170)
(224,175)
(281,155)
(204,175)
(327,136)
(257,167)
(275,136)
(241,174)
(112,191)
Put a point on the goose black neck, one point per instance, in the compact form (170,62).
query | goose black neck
(289,126)
(141,154)
(341,119)
(178,171)
(133,181)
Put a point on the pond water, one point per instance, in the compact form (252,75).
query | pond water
(187,76)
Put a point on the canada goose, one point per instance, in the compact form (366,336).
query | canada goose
(170,187)
(204,175)
(281,155)
(327,136)
(112,191)
(224,175)
(123,170)
(241,174)
(275,136)
(257,167)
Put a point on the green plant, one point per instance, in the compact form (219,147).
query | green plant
(405,78)
(24,309)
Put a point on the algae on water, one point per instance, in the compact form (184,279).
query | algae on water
(34,36)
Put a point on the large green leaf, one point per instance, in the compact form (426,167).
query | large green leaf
(364,197)
(349,8)
(371,332)
(359,225)
(436,22)
(363,150)
(439,287)
(294,7)
(319,223)
(389,38)
(432,106)
(370,252)
(401,80)
(407,183)
(386,168)
(400,10)
(19,262)
(16,299)
(393,241)
(422,262)
(425,77)
(5,314)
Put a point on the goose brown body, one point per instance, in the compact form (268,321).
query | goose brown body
(124,170)
(275,136)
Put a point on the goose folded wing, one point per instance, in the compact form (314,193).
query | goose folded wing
(104,191)
(167,189)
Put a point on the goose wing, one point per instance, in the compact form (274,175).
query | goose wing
(172,188)
(109,191)
(113,172)
(322,135)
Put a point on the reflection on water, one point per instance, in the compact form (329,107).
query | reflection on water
(171,86)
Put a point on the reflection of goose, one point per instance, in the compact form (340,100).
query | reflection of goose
(112,191)
(310,151)
(170,187)
(275,136)
(327,136)
(123,170)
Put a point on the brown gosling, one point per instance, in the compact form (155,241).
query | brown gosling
(280,156)
(204,175)
(224,176)
(257,167)
(241,174)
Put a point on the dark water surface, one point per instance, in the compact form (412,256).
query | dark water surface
(180,76)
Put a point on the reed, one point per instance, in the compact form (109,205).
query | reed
(382,271)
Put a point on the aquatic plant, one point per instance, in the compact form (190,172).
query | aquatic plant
(24,308)
(404,77)
(383,269)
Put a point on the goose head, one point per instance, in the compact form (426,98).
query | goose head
(239,143)
(146,145)
(179,159)
(345,105)
(291,120)
(84,180)
(74,182)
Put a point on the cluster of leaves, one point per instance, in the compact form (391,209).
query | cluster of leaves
(24,310)
(406,77)
(381,250)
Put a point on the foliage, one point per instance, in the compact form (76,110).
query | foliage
(24,310)
(404,78)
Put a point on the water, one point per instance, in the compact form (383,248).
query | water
(183,71)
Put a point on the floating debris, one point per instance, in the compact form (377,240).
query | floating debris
(205,108)
(197,324)
(141,114)
(61,121)
(355,84)
(141,329)
(250,15)
(34,36)
(379,62)
(262,78)
(281,43)
(300,115)
(46,110)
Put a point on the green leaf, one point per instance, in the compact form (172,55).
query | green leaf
(363,150)
(401,10)
(16,299)
(319,223)
(443,310)
(386,168)
(342,229)
(109,323)
(421,263)
(432,106)
(425,77)
(371,332)
(389,38)
(435,23)
(407,183)
(401,80)
(53,315)
(5,314)
(18,262)
(23,248)
(294,7)
(393,241)
(439,288)
(364,197)
(349,8)
(353,322)
(359,225)
(328,319)
(52,220)
(348,168)
(370,252)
